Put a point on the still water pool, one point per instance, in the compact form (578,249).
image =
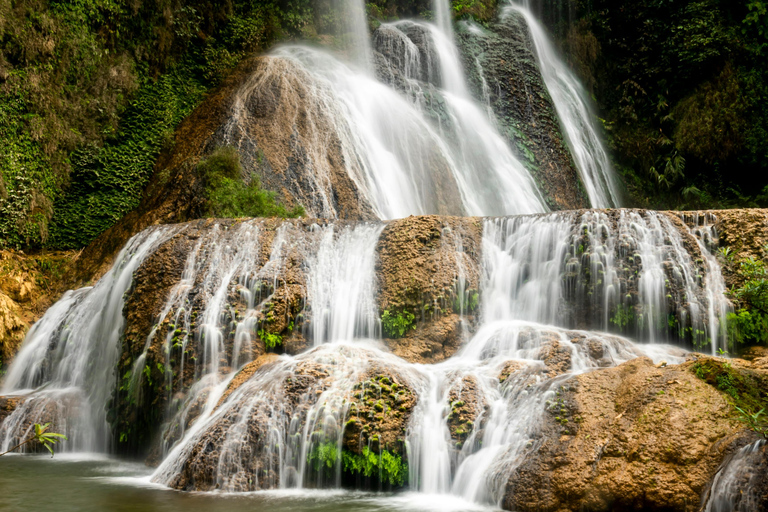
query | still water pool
(97,484)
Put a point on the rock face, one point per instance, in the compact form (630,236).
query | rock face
(28,286)
(429,270)
(634,437)
(327,416)
(502,69)
(261,295)
(287,138)
(744,233)
(251,279)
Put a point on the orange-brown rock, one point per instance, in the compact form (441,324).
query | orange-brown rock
(633,437)
(422,261)
(29,284)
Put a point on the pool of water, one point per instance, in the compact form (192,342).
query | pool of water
(98,484)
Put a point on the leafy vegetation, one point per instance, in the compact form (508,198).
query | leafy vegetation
(228,196)
(749,323)
(623,316)
(40,436)
(745,391)
(270,340)
(91,91)
(680,86)
(396,325)
(386,466)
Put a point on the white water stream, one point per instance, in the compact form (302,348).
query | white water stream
(575,112)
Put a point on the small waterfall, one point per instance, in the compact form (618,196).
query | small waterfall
(401,162)
(734,489)
(340,285)
(358,42)
(702,226)
(626,271)
(576,117)
(66,369)
(340,308)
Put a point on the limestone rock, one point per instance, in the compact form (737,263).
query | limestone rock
(643,438)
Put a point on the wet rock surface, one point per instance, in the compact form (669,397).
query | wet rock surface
(370,416)
(501,68)
(429,268)
(29,284)
(7,406)
(635,437)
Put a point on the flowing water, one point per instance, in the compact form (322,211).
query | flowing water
(574,110)
(733,489)
(557,293)
(69,357)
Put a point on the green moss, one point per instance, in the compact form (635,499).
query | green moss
(747,392)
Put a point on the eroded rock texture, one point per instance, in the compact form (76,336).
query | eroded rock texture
(636,437)
(429,267)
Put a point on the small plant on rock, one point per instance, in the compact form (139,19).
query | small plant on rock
(41,436)
(395,326)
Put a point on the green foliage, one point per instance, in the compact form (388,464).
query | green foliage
(91,92)
(107,181)
(395,326)
(41,436)
(680,86)
(270,340)
(749,324)
(623,316)
(47,439)
(229,197)
(324,457)
(480,10)
(386,466)
(744,390)
(757,421)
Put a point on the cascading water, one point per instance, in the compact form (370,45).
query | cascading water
(65,370)
(469,421)
(343,410)
(733,486)
(574,111)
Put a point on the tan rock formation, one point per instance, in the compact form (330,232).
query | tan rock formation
(633,437)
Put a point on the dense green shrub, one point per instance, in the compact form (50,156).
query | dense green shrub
(228,196)
(749,324)
(680,86)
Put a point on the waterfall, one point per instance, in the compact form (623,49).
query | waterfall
(703,228)
(733,489)
(237,419)
(258,359)
(65,369)
(340,285)
(358,43)
(576,117)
